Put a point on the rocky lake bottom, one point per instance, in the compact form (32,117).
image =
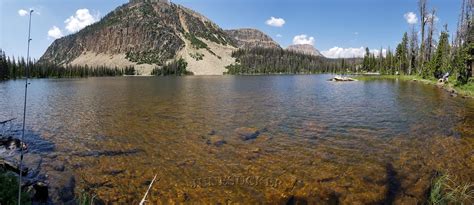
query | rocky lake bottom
(247,139)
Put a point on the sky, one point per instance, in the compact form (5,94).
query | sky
(338,28)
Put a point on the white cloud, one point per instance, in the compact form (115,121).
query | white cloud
(337,52)
(411,18)
(279,35)
(55,33)
(356,33)
(303,39)
(81,19)
(276,22)
(22,12)
(429,16)
(377,52)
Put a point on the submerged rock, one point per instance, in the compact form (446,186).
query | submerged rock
(62,186)
(10,143)
(216,140)
(12,167)
(246,133)
(40,192)
(9,155)
(32,182)
(212,132)
(264,138)
(57,166)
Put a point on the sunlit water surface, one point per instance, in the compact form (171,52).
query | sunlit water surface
(320,142)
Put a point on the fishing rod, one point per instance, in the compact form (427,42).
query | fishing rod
(24,107)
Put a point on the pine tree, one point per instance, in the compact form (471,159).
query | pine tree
(441,61)
(402,54)
(366,62)
(3,66)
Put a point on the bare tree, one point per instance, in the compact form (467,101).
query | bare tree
(464,23)
(431,20)
(413,50)
(422,8)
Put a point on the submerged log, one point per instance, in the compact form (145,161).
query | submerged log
(4,122)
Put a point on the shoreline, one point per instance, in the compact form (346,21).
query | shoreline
(466,91)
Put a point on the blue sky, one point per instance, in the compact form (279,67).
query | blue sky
(326,24)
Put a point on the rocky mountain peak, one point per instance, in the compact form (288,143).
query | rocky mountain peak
(304,49)
(150,1)
(145,34)
(250,38)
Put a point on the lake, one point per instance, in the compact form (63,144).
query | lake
(309,140)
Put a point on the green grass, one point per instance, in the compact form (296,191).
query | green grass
(86,198)
(401,77)
(444,190)
(9,190)
(466,90)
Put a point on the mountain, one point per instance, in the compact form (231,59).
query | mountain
(147,34)
(251,38)
(304,49)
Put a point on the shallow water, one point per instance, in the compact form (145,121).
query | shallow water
(320,142)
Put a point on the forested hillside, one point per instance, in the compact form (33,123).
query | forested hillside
(11,68)
(276,60)
(429,57)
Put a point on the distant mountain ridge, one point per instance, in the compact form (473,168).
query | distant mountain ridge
(305,49)
(148,34)
(251,38)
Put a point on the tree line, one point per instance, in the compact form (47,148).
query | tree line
(429,57)
(261,60)
(176,67)
(11,68)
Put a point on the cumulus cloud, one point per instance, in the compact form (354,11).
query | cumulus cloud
(303,39)
(411,18)
(22,12)
(55,33)
(81,19)
(431,16)
(337,52)
(276,22)
(279,35)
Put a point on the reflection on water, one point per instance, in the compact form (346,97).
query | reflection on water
(318,142)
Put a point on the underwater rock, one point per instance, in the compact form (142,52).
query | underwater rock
(263,138)
(10,166)
(10,143)
(62,186)
(40,192)
(216,140)
(185,163)
(33,180)
(212,132)
(57,166)
(246,133)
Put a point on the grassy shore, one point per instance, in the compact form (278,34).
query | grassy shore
(464,90)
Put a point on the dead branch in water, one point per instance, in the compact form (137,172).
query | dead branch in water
(4,122)
(142,202)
